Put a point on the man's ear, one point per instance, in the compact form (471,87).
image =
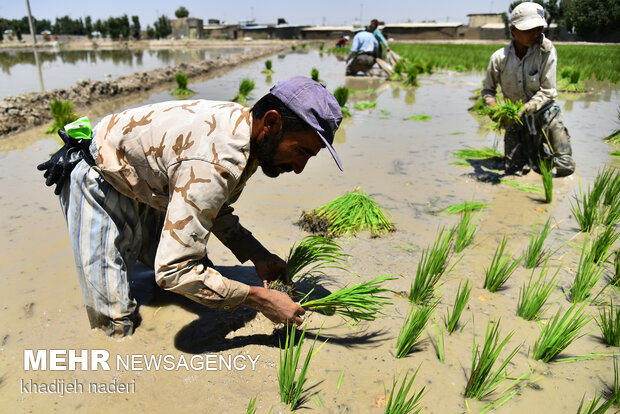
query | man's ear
(272,122)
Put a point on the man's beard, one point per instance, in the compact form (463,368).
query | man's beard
(266,150)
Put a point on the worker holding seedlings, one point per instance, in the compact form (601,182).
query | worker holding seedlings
(361,56)
(526,71)
(156,181)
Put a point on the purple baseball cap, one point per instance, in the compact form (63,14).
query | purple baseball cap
(314,104)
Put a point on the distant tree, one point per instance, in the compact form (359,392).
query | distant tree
(590,17)
(114,27)
(150,32)
(88,25)
(41,25)
(162,27)
(135,27)
(181,12)
(101,27)
(124,26)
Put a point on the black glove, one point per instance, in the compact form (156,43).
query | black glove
(59,166)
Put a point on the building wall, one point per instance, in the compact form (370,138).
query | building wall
(477,20)
(187,27)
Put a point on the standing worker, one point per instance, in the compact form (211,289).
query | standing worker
(381,41)
(156,181)
(526,71)
(361,56)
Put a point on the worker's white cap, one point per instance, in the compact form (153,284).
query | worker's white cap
(527,16)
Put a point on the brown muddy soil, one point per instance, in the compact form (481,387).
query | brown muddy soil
(406,166)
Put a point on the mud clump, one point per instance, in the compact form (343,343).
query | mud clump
(288,288)
(311,222)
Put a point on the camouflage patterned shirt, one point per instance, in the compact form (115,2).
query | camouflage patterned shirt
(190,159)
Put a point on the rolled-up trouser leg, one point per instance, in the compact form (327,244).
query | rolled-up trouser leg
(560,141)
(515,150)
(105,233)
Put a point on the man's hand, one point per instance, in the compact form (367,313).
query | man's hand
(528,108)
(275,305)
(490,101)
(270,267)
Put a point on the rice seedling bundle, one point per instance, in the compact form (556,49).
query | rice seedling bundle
(414,327)
(314,74)
(535,293)
(609,323)
(363,302)
(308,259)
(588,275)
(433,264)
(500,269)
(399,403)
(411,72)
(482,380)
(600,249)
(268,67)
(291,384)
(245,87)
(460,301)
(399,69)
(559,332)
(546,171)
(587,209)
(181,91)
(534,252)
(465,230)
(365,105)
(505,113)
(421,117)
(484,153)
(466,206)
(569,81)
(62,112)
(342,96)
(351,213)
(321,46)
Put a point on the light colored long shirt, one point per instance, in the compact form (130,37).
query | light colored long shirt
(531,79)
(363,42)
(379,36)
(190,159)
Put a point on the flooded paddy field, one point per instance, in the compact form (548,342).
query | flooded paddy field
(406,166)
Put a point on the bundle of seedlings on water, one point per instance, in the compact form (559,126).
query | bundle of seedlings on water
(363,302)
(505,113)
(314,74)
(521,186)
(569,81)
(560,332)
(451,320)
(245,87)
(588,275)
(321,47)
(399,68)
(545,166)
(399,403)
(268,66)
(414,327)
(534,253)
(181,91)
(308,259)
(348,214)
(601,247)
(482,380)
(501,268)
(466,206)
(484,153)
(609,322)
(433,264)
(535,293)
(421,117)
(62,112)
(291,384)
(342,96)
(411,72)
(365,105)
(465,230)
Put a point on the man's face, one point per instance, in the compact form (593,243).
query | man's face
(526,38)
(285,152)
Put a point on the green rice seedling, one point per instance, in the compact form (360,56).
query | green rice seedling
(460,301)
(308,259)
(600,249)
(252,406)
(182,91)
(365,105)
(411,72)
(433,264)
(246,86)
(399,69)
(593,407)
(420,117)
(465,230)
(609,322)
(369,90)
(363,302)
(504,113)
(321,46)
(461,207)
(615,279)
(520,186)
(566,72)
(535,293)
(351,213)
(441,342)
(615,389)
(586,209)
(314,74)
(484,153)
(535,252)
(482,380)
(569,81)
(414,327)
(62,112)
(546,172)
(399,403)
(500,269)
(268,68)
(559,332)
(342,96)
(588,275)
(291,384)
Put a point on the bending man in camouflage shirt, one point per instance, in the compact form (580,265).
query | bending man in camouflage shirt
(164,179)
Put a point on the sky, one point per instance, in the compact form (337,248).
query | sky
(312,12)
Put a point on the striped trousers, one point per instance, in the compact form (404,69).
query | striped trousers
(109,233)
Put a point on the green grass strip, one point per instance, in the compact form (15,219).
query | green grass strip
(461,207)
(365,105)
(484,153)
(522,187)
(420,117)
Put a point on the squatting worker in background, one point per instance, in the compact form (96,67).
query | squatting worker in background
(361,56)
(164,179)
(526,71)
(382,44)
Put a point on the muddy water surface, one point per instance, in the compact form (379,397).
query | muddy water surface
(406,166)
